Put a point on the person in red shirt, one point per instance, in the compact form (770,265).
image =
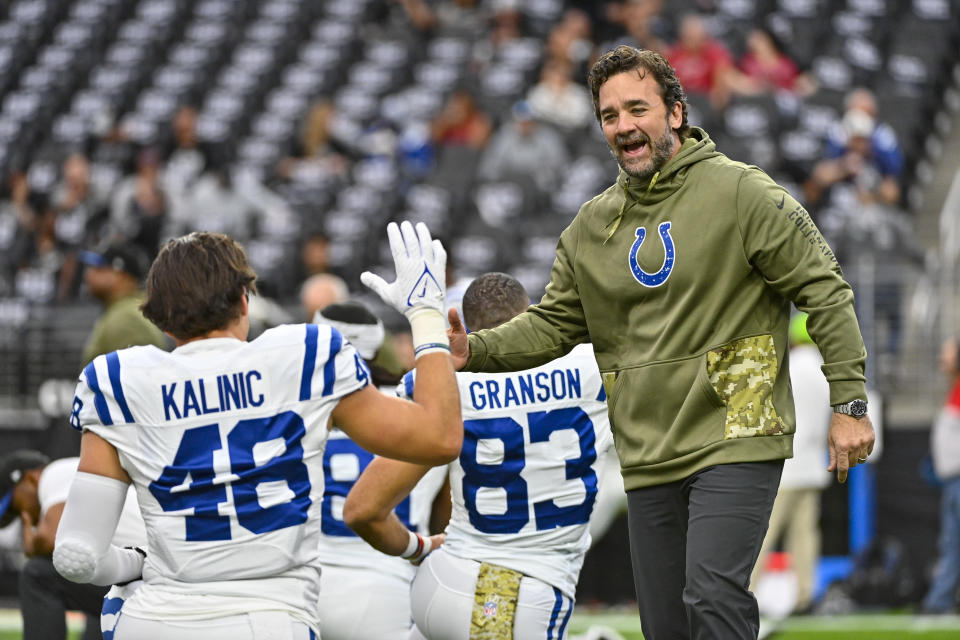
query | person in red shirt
(945,447)
(701,61)
(765,67)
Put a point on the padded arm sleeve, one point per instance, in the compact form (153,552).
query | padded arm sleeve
(82,551)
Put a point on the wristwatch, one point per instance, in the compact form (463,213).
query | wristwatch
(854,408)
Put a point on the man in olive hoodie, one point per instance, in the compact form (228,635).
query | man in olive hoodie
(681,274)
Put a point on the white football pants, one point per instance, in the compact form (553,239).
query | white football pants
(361,604)
(442,599)
(262,625)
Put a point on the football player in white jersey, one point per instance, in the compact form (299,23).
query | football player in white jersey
(223,440)
(523,490)
(364,593)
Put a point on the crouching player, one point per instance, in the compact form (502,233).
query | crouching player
(523,490)
(223,440)
(365,594)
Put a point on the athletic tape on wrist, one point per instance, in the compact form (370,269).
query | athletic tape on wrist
(429,331)
(414,546)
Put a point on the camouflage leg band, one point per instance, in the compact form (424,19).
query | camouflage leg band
(494,603)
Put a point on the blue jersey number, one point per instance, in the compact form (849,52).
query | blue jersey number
(204,494)
(330,524)
(506,474)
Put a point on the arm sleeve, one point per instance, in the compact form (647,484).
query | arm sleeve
(82,552)
(544,331)
(782,242)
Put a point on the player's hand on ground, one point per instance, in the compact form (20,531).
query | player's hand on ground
(459,345)
(850,442)
(420,264)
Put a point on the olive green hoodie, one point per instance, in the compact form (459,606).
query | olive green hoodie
(683,285)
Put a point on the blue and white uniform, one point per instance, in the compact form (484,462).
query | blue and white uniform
(523,491)
(224,442)
(365,593)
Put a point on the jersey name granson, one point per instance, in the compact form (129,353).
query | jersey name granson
(525,388)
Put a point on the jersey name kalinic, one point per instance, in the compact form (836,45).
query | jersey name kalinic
(524,485)
(224,442)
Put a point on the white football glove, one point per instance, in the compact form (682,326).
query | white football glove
(419,292)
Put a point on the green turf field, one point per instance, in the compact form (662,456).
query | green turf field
(878,626)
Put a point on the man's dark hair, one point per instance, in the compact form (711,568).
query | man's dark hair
(625,58)
(196,284)
(492,299)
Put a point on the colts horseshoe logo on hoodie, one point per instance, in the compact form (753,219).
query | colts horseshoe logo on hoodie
(658,278)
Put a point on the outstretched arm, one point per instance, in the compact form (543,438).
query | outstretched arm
(429,430)
(370,504)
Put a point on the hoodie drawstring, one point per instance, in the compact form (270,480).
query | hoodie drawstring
(623,207)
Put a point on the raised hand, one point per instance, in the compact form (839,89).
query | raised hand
(420,264)
(419,292)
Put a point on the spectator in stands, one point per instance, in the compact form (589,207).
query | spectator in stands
(35,489)
(702,62)
(459,134)
(464,18)
(505,24)
(44,267)
(461,122)
(81,210)
(212,203)
(314,255)
(320,290)
(860,147)
(796,509)
(558,100)
(570,39)
(642,23)
(139,205)
(17,218)
(188,157)
(524,147)
(766,68)
(856,171)
(945,450)
(319,150)
(114,273)
(856,189)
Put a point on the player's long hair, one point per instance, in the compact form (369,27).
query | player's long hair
(196,284)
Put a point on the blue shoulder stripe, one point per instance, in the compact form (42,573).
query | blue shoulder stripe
(113,370)
(330,366)
(602,396)
(408,383)
(309,361)
(100,402)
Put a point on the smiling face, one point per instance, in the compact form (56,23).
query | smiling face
(641,131)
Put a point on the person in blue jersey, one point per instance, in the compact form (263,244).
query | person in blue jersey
(363,592)
(523,491)
(223,441)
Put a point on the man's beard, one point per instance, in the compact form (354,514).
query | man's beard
(660,150)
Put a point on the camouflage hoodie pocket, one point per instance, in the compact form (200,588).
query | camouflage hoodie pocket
(742,373)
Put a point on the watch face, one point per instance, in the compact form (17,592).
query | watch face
(858,408)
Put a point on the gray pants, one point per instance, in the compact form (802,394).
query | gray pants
(693,544)
(46,596)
